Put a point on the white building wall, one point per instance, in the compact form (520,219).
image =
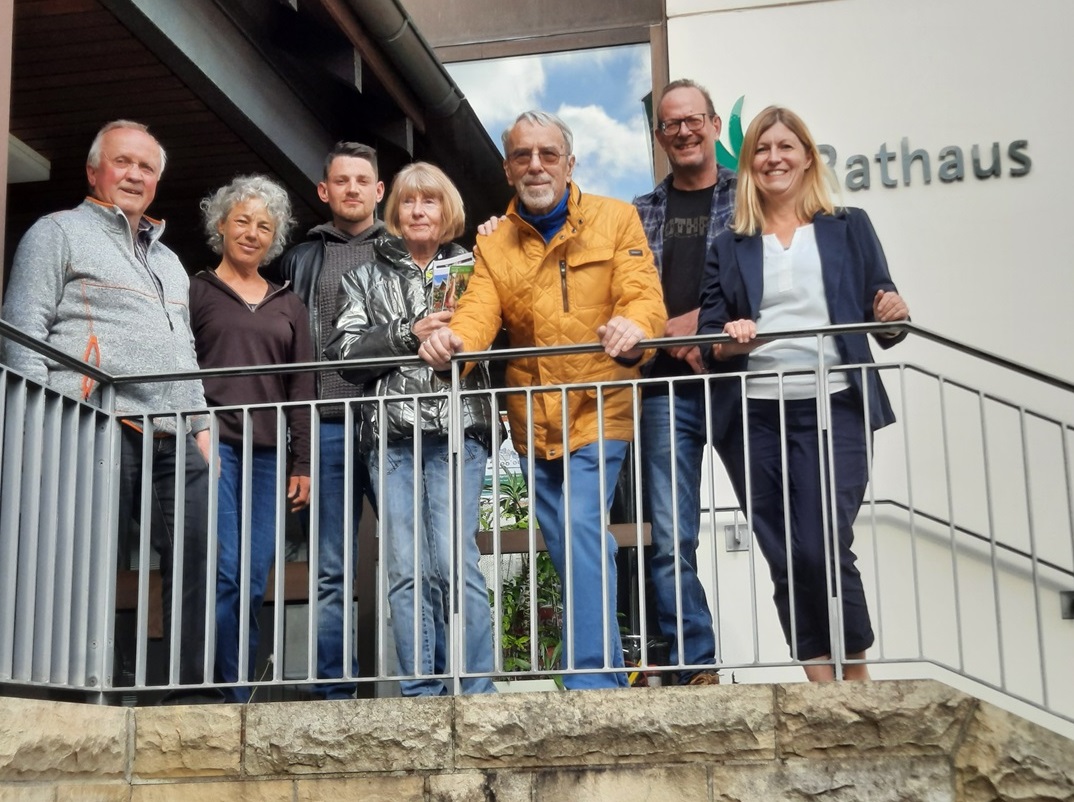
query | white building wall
(985,261)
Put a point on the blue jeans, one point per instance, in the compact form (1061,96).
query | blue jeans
(418,549)
(261,474)
(332,596)
(590,548)
(675,515)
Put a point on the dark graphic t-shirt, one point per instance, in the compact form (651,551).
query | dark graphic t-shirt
(685,228)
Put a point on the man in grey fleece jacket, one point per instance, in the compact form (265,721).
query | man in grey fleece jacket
(96,282)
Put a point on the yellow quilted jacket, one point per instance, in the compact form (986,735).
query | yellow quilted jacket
(596,267)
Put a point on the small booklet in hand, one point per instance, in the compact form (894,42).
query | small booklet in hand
(450,277)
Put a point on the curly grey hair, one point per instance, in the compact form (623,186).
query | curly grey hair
(216,207)
(545,119)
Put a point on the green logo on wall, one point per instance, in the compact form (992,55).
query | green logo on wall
(952,159)
(729,158)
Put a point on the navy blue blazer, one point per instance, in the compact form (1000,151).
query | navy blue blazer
(853,268)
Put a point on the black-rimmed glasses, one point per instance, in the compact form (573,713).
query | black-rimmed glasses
(693,123)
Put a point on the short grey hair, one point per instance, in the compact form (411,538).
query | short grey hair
(216,207)
(542,118)
(94,157)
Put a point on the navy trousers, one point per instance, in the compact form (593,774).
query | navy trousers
(796,559)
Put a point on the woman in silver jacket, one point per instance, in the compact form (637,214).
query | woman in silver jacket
(386,308)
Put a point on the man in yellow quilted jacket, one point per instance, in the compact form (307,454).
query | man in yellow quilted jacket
(564,267)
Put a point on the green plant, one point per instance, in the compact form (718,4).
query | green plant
(510,506)
(517,605)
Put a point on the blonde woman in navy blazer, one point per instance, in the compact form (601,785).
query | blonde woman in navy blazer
(823,266)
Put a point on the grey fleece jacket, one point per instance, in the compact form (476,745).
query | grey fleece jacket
(76,281)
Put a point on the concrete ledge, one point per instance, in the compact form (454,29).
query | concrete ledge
(579,728)
(366,735)
(881,741)
(61,740)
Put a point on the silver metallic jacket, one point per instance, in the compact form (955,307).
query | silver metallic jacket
(377,306)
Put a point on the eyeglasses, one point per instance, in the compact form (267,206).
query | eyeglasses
(695,122)
(522,158)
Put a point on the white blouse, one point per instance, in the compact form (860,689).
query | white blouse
(793,298)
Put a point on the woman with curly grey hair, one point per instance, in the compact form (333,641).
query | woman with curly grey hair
(239,318)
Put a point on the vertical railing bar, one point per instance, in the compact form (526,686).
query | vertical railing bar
(279,560)
(568,541)
(48,524)
(748,502)
(91,465)
(870,483)
(11,456)
(710,454)
(1034,557)
(457,624)
(911,517)
(145,521)
(66,507)
(382,550)
(212,535)
(494,524)
(416,538)
(829,519)
(784,472)
(639,531)
(675,549)
(29,527)
(178,550)
(352,508)
(605,580)
(992,546)
(951,524)
(12,475)
(246,478)
(313,551)
(104,553)
(532,537)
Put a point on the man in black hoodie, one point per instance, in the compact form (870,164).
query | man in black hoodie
(352,190)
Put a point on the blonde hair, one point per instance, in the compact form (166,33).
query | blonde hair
(422,178)
(816,193)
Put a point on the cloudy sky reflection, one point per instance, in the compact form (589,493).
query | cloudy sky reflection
(597,92)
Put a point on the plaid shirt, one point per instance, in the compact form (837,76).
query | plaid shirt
(652,208)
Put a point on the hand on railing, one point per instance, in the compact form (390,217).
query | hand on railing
(619,338)
(889,307)
(438,347)
(744,332)
(685,325)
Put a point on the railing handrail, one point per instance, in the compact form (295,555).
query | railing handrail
(939,519)
(11,333)
(534,351)
(933,518)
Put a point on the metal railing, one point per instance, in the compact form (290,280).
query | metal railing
(965,542)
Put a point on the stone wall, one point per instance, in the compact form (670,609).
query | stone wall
(879,741)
